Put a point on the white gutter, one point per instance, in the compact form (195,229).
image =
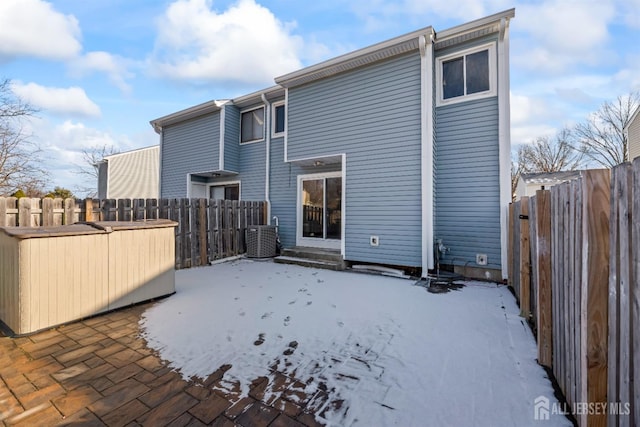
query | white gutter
(286,125)
(221,142)
(267,125)
(426,148)
(504,138)
(160,163)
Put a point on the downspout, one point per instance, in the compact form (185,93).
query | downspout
(222,138)
(426,148)
(159,130)
(504,138)
(267,124)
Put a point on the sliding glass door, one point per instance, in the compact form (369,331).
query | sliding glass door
(320,220)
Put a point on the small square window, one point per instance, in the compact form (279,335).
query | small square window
(466,75)
(252,125)
(278,119)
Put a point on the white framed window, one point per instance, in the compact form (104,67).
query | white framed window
(278,121)
(467,75)
(252,125)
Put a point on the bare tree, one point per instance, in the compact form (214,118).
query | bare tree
(545,154)
(517,169)
(89,168)
(555,154)
(601,138)
(20,164)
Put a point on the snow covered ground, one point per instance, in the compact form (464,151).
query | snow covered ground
(366,350)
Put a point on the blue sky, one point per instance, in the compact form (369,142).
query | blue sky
(100,70)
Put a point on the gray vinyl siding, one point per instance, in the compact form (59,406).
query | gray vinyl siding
(187,147)
(231,138)
(373,115)
(103,176)
(283,190)
(467,208)
(253,170)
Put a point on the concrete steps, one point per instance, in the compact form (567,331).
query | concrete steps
(327,259)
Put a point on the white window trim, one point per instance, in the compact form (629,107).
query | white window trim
(493,81)
(264,118)
(224,184)
(275,134)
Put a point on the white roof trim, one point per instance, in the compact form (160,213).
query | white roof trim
(355,59)
(396,46)
(111,156)
(189,113)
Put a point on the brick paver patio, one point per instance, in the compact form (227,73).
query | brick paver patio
(100,372)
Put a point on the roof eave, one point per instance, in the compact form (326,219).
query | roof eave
(186,114)
(398,45)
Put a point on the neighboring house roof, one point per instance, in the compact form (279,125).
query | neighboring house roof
(550,177)
(132,174)
(633,134)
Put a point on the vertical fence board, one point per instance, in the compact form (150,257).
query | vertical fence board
(3,211)
(635,295)
(69,211)
(596,263)
(151,207)
(525,260)
(543,274)
(24,212)
(47,212)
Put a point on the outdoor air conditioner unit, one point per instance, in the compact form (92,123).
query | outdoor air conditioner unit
(261,241)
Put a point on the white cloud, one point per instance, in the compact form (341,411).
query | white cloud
(113,66)
(463,10)
(563,33)
(246,43)
(72,100)
(34,28)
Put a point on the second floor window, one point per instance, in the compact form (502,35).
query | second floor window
(467,75)
(252,125)
(278,119)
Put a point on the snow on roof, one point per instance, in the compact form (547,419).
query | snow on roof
(550,177)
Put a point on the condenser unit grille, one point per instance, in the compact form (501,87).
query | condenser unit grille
(261,241)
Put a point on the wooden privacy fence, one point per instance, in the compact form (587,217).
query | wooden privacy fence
(574,265)
(207,229)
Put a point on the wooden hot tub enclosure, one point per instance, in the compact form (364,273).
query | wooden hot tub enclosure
(54,275)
